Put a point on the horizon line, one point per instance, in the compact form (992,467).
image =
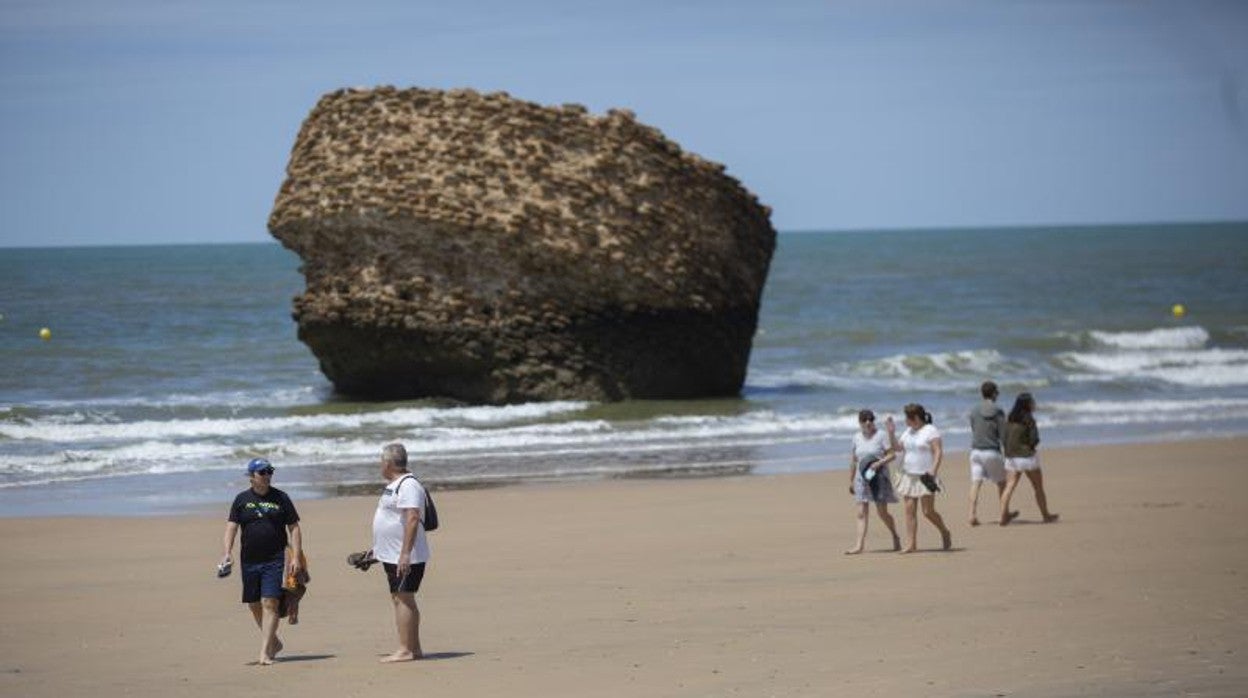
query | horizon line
(798,231)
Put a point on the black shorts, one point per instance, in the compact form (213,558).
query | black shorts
(410,583)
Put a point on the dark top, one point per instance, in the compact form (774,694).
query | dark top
(264,520)
(1021,438)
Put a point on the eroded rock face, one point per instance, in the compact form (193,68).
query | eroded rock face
(492,250)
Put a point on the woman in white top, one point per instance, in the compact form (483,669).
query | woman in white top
(922,451)
(868,478)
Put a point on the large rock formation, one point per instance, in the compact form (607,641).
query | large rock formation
(492,250)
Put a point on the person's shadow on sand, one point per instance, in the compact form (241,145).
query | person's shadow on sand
(446,655)
(298,658)
(890,551)
(435,656)
(1032,522)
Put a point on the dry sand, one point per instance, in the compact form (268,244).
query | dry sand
(733,586)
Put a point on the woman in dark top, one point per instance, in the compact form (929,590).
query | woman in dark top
(1021,439)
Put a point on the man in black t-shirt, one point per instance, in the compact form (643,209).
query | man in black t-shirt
(269,523)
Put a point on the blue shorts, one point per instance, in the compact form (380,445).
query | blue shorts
(263,580)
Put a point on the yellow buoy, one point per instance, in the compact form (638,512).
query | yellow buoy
(1178,310)
(45,334)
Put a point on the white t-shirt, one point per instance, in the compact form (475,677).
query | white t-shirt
(876,445)
(404,492)
(918,446)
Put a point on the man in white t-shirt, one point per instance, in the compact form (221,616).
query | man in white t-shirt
(399,542)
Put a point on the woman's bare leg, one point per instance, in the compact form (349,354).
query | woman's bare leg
(862,529)
(929,510)
(881,508)
(1011,482)
(1037,483)
(912,525)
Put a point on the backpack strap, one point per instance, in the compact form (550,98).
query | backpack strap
(396,494)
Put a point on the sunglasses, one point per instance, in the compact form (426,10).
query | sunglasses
(266,471)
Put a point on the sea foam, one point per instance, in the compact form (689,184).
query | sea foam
(179,445)
(1195,368)
(952,371)
(76,427)
(1160,338)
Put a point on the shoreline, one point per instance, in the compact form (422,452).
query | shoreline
(686,587)
(23,501)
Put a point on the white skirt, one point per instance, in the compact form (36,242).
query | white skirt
(908,485)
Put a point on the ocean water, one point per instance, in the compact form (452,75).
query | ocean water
(170,367)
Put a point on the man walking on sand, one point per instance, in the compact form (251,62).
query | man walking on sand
(269,522)
(987,434)
(400,543)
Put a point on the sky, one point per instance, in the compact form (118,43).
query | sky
(171,121)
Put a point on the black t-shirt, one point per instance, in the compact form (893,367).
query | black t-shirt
(264,520)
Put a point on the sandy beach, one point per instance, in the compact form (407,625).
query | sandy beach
(731,586)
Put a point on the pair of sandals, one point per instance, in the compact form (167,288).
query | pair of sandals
(362,560)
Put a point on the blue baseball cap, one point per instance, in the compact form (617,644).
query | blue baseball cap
(258,464)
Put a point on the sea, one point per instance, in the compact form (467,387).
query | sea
(167,368)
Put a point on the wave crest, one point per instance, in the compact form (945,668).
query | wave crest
(952,371)
(1160,338)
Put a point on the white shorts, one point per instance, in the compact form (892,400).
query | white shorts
(1021,464)
(987,465)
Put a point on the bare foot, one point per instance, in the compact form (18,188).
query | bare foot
(907,551)
(398,656)
(946,540)
(896,543)
(853,551)
(265,661)
(974,521)
(1051,518)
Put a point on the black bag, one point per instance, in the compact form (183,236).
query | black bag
(929,482)
(429,517)
(430,513)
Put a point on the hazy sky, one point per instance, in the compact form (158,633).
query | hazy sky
(135,121)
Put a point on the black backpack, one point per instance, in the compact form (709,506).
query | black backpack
(429,517)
